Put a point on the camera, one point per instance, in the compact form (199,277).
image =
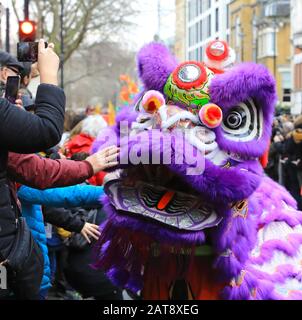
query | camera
(28,51)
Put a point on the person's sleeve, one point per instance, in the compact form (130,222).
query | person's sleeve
(24,132)
(279,147)
(290,146)
(74,196)
(42,173)
(64,218)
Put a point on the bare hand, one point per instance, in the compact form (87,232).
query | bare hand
(90,230)
(48,63)
(278,138)
(19,103)
(105,159)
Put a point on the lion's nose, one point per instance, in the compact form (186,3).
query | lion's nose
(211,115)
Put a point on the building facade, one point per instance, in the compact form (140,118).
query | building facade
(198,22)
(296,36)
(260,32)
(180,29)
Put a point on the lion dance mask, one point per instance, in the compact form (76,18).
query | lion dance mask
(224,231)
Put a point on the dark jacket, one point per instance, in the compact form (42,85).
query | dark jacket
(21,131)
(68,219)
(291,153)
(82,277)
(289,149)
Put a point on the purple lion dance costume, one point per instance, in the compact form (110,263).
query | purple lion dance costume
(224,232)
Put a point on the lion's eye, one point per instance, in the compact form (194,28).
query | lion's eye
(235,119)
(243,122)
(189,73)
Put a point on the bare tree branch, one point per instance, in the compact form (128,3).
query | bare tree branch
(15,9)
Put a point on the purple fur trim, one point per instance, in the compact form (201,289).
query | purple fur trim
(155,64)
(234,239)
(295,295)
(271,193)
(293,219)
(281,274)
(290,247)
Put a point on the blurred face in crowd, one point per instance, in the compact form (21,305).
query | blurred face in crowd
(6,72)
(276,122)
(26,80)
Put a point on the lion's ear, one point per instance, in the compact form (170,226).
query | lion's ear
(155,64)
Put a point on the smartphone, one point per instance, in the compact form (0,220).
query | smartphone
(28,51)
(12,88)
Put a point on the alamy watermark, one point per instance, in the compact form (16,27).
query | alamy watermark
(180,147)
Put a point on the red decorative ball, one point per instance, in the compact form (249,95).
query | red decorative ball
(217,50)
(211,115)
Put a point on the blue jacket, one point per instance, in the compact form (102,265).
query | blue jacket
(32,199)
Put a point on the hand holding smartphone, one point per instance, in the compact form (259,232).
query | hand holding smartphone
(48,61)
(12,88)
(28,51)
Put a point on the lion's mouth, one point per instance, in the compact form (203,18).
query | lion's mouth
(154,193)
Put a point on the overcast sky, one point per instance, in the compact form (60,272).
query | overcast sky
(146,22)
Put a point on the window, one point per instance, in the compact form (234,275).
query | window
(197,7)
(193,34)
(200,30)
(286,83)
(228,16)
(206,4)
(200,6)
(238,32)
(197,36)
(266,45)
(286,95)
(209,26)
(204,29)
(217,20)
(194,8)
(200,54)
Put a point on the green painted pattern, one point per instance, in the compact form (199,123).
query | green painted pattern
(194,98)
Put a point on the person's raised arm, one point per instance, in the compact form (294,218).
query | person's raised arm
(22,131)
(42,173)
